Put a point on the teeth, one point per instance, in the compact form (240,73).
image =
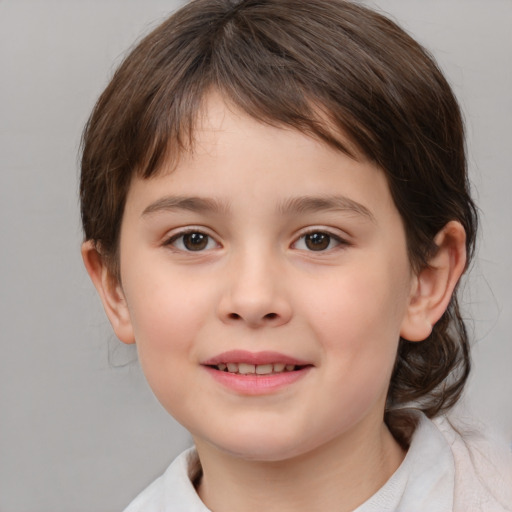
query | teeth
(264,369)
(244,368)
(258,369)
(233,367)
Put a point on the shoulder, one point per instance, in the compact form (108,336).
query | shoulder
(149,499)
(452,462)
(483,466)
(171,492)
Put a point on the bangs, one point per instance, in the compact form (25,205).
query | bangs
(277,77)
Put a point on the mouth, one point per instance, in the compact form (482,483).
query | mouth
(256,372)
(256,369)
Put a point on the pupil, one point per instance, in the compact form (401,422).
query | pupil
(317,241)
(195,241)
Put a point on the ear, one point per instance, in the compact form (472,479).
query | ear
(110,292)
(434,285)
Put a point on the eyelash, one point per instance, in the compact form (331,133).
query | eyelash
(327,236)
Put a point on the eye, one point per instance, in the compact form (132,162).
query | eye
(318,241)
(192,241)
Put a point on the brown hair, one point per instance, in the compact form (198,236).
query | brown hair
(322,67)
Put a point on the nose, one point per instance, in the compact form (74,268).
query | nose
(255,293)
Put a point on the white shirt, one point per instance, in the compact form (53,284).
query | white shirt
(441,472)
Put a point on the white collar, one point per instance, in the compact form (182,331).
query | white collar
(424,481)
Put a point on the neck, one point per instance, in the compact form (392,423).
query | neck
(340,475)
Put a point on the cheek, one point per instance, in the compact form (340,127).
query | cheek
(367,305)
(166,323)
(357,322)
(166,313)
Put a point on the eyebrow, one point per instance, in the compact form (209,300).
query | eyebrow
(293,206)
(193,204)
(311,204)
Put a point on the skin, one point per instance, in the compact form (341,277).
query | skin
(257,285)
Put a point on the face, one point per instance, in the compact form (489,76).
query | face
(266,281)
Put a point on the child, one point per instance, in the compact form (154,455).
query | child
(277,212)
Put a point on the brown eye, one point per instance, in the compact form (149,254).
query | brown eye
(195,241)
(192,241)
(317,241)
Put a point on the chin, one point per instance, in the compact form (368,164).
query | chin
(263,454)
(262,447)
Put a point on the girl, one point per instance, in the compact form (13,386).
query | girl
(277,212)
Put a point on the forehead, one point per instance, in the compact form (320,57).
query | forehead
(236,159)
(197,128)
(219,112)
(219,122)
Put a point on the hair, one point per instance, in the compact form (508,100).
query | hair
(325,68)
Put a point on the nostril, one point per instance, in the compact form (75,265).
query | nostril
(268,316)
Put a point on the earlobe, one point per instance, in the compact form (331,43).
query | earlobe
(434,285)
(110,292)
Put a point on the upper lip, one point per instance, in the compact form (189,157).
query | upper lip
(256,358)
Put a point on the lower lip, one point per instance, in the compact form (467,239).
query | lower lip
(257,384)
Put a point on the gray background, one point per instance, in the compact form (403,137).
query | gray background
(79,428)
